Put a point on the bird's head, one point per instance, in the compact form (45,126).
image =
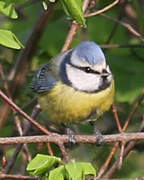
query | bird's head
(85,69)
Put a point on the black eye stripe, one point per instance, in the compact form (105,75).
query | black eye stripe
(85,69)
(88,70)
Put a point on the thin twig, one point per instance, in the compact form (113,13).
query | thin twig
(121,129)
(135,54)
(108,160)
(103,10)
(114,29)
(3,163)
(73,30)
(128,148)
(126,25)
(18,148)
(142,124)
(16,108)
(29,104)
(115,146)
(18,72)
(121,155)
(12,176)
(63,150)
(16,118)
(17,121)
(134,108)
(4,81)
(115,113)
(110,46)
(70,36)
(20,130)
(85,5)
(50,149)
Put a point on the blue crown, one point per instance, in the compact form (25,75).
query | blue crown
(90,52)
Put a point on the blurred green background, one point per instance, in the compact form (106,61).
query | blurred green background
(127,65)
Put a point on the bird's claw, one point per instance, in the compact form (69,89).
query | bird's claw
(99,136)
(71,135)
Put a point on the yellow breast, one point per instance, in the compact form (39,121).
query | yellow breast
(65,104)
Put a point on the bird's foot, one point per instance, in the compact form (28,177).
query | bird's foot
(71,135)
(98,135)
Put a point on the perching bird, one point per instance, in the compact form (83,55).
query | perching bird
(76,86)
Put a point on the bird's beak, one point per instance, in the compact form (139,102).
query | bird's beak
(105,74)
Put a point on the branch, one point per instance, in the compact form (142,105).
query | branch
(16,118)
(56,138)
(109,46)
(121,129)
(128,148)
(133,111)
(107,162)
(103,10)
(16,108)
(112,169)
(12,176)
(18,72)
(74,28)
(70,36)
(126,25)
(18,148)
(115,146)
(115,114)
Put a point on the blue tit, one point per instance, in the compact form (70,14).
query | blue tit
(75,86)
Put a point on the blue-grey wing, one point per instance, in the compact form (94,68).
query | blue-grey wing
(43,81)
(48,75)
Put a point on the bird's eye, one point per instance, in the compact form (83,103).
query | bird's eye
(104,71)
(88,69)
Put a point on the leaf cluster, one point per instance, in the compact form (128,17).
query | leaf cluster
(44,166)
(72,8)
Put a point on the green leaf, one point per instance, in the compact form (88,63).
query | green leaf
(87,168)
(44,5)
(73,8)
(58,173)
(41,163)
(8,10)
(75,171)
(14,1)
(8,39)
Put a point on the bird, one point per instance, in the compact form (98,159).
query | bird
(76,86)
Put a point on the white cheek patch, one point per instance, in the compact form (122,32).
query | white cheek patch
(110,77)
(108,69)
(81,80)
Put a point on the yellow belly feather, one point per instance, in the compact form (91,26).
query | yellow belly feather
(65,104)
